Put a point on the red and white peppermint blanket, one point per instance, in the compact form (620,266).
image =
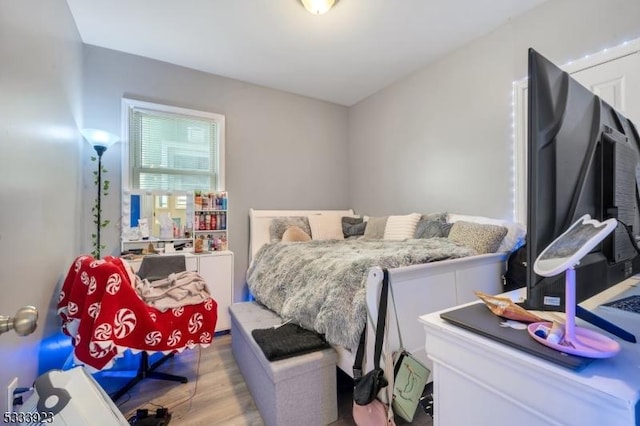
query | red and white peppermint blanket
(104,315)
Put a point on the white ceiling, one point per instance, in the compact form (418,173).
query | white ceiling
(351,52)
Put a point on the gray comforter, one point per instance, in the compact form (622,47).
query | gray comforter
(321,284)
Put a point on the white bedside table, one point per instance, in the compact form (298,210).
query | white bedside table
(478,381)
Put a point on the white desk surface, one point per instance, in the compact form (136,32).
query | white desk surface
(618,376)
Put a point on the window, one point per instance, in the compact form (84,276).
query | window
(171,149)
(162,201)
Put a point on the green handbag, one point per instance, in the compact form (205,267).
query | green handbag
(410,378)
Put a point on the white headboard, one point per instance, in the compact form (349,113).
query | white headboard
(260,222)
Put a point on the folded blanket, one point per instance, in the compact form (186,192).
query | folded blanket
(287,341)
(179,289)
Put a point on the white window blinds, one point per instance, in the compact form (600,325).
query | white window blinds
(174,152)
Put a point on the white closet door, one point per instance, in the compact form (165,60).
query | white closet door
(617,82)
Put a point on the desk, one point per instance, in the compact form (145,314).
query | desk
(478,381)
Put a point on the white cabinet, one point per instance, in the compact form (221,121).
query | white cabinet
(480,381)
(191,263)
(217,270)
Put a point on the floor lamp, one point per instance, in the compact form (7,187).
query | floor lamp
(100,141)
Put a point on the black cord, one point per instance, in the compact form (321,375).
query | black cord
(173,406)
(195,388)
(156,405)
(630,234)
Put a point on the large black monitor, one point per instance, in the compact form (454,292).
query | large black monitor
(583,158)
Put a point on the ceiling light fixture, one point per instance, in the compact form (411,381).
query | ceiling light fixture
(318,7)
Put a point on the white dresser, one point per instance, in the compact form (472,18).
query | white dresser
(478,381)
(217,270)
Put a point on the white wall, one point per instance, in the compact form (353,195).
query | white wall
(283,151)
(41,54)
(441,139)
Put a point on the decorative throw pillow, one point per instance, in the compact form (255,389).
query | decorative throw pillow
(295,234)
(353,226)
(429,229)
(438,217)
(446,229)
(483,238)
(375,228)
(280,224)
(515,232)
(326,227)
(401,227)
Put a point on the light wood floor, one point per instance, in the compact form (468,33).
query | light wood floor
(216,393)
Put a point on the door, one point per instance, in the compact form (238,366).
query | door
(617,82)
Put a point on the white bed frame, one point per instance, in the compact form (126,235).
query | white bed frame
(416,289)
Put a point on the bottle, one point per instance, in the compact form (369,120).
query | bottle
(198,200)
(556,333)
(223,219)
(198,246)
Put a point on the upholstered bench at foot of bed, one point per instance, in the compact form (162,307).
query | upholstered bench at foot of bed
(295,391)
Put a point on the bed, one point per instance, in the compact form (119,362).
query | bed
(417,288)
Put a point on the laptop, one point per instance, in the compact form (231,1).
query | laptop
(479,319)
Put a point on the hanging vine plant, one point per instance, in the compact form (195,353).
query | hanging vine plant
(100,141)
(103,186)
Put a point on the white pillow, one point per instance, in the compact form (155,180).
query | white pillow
(401,227)
(515,231)
(326,227)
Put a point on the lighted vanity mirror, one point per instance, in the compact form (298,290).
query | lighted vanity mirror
(156,216)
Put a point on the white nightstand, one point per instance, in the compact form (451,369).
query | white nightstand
(483,382)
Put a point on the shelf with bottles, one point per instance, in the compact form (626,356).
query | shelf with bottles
(210,201)
(210,241)
(210,211)
(210,221)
